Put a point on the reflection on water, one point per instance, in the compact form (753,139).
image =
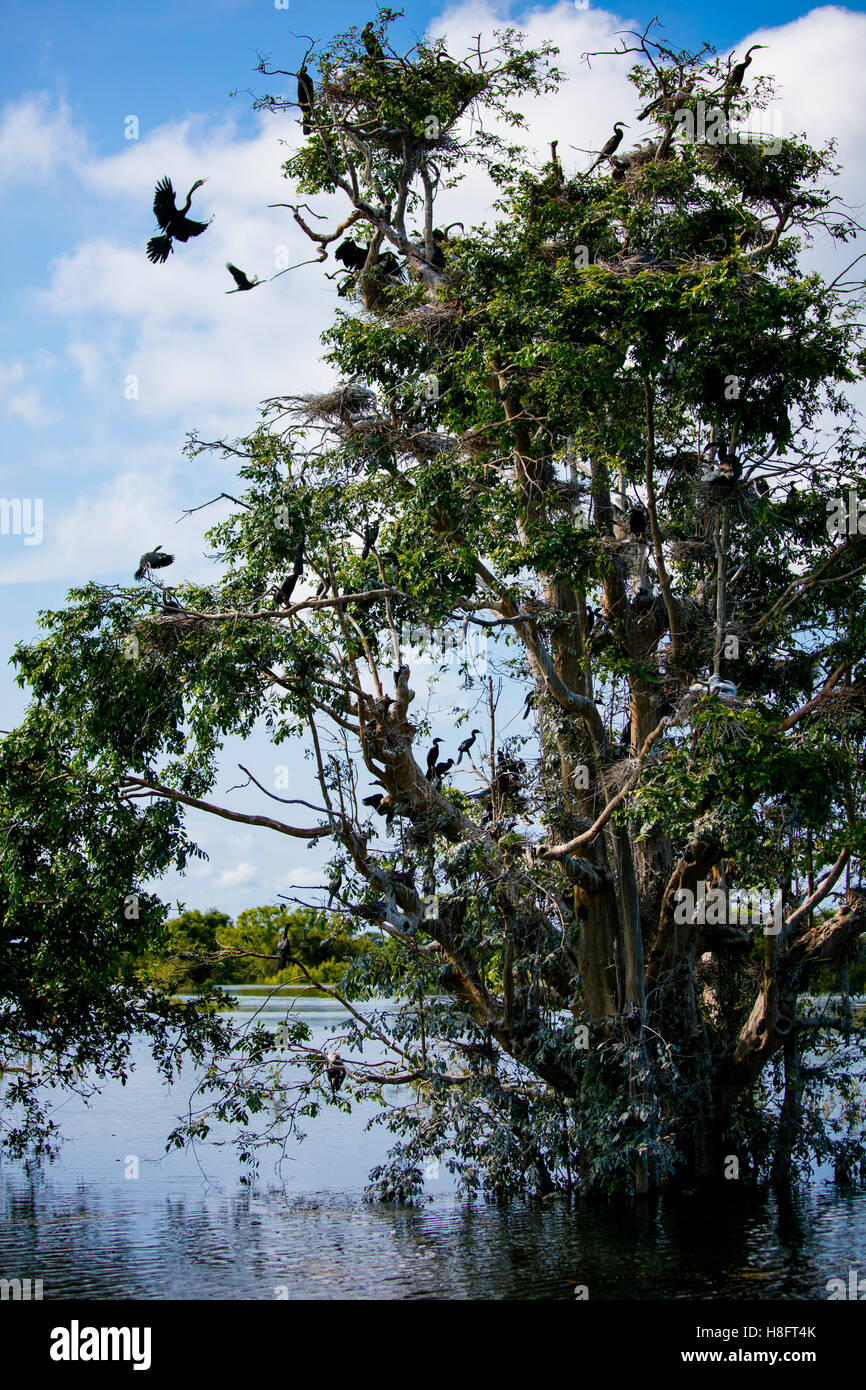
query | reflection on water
(187,1228)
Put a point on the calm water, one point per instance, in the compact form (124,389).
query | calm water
(187,1228)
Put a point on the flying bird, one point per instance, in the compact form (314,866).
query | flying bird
(612,144)
(242,281)
(153,560)
(305,98)
(176,226)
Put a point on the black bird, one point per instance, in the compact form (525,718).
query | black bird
(762,487)
(370,535)
(441,768)
(351,253)
(371,43)
(637,521)
(335,1071)
(169,604)
(286,589)
(612,144)
(284,952)
(153,560)
(305,98)
(735,81)
(175,224)
(591,617)
(437,255)
(242,281)
(466,745)
(528,704)
(389,265)
(382,805)
(432,755)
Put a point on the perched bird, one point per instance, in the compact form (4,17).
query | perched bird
(169,604)
(305,98)
(334,886)
(528,704)
(153,560)
(611,145)
(335,1071)
(432,755)
(441,768)
(284,952)
(382,805)
(286,589)
(466,746)
(591,619)
(351,254)
(437,256)
(371,43)
(735,81)
(370,535)
(175,224)
(762,487)
(637,521)
(242,281)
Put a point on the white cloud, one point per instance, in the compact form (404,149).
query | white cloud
(37,136)
(236,877)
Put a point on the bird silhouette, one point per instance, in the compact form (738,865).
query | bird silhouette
(432,755)
(335,1071)
(284,952)
(153,560)
(351,253)
(612,144)
(176,226)
(466,746)
(305,98)
(735,81)
(242,281)
(637,521)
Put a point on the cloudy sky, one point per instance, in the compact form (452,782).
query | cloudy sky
(106,361)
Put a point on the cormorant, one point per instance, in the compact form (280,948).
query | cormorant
(735,81)
(382,805)
(153,560)
(242,281)
(441,768)
(528,704)
(437,255)
(175,224)
(351,253)
(371,43)
(335,1071)
(637,521)
(305,98)
(334,886)
(466,745)
(612,144)
(370,535)
(286,589)
(432,755)
(284,952)
(591,617)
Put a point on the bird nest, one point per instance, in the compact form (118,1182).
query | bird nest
(719,492)
(164,632)
(438,322)
(844,700)
(427,445)
(694,551)
(343,404)
(627,267)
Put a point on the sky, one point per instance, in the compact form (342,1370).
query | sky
(107,362)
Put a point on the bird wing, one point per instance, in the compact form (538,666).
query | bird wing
(186,228)
(238,276)
(164,205)
(158,559)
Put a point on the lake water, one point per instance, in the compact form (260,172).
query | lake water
(187,1228)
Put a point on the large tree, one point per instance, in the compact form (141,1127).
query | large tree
(605,432)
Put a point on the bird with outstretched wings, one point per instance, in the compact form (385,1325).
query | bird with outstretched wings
(175,224)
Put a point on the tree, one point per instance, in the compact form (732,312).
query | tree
(610,432)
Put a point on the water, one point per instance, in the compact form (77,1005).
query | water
(187,1228)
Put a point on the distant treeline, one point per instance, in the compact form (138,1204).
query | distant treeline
(189,954)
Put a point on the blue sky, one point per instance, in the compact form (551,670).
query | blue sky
(83,310)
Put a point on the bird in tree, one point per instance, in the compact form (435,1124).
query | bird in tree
(466,746)
(637,521)
(370,535)
(284,952)
(176,226)
(441,768)
(612,144)
(352,254)
(305,98)
(735,81)
(286,589)
(432,755)
(382,805)
(335,1071)
(371,43)
(153,560)
(242,281)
